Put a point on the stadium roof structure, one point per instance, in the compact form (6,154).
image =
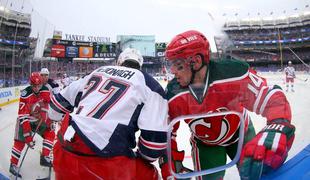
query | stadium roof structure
(268,22)
(11,18)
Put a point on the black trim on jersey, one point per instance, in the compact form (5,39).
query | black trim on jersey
(275,87)
(148,135)
(54,107)
(52,83)
(153,84)
(78,99)
(122,140)
(64,102)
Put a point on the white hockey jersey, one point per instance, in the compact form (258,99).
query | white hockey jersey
(113,102)
(290,72)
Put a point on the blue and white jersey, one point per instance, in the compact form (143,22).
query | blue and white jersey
(110,105)
(290,72)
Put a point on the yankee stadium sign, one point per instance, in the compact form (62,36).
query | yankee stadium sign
(73,37)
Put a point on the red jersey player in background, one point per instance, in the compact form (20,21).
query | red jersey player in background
(201,85)
(97,141)
(32,118)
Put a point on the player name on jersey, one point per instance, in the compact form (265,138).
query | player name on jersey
(117,72)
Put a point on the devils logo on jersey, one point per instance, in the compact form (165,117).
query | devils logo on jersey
(216,130)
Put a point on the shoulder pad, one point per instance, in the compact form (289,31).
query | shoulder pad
(227,68)
(44,88)
(153,84)
(26,92)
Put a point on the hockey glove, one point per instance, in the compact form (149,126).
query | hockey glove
(27,132)
(177,165)
(267,150)
(30,142)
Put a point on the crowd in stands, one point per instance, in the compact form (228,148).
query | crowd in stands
(56,68)
(268,34)
(269,56)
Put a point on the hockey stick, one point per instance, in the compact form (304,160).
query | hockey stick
(305,80)
(21,163)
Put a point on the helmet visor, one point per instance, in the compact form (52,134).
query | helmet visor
(177,64)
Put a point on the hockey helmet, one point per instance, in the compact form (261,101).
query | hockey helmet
(188,44)
(289,62)
(130,54)
(44,71)
(35,78)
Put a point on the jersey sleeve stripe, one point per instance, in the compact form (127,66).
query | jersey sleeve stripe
(21,116)
(258,99)
(62,103)
(56,106)
(150,153)
(152,145)
(146,157)
(276,141)
(270,93)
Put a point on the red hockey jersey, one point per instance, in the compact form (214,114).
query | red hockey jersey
(230,85)
(30,102)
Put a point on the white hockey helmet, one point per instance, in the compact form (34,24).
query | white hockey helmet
(130,55)
(289,62)
(44,71)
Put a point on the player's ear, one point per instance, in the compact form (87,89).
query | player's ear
(197,62)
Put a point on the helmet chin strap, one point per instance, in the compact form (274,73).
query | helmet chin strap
(195,71)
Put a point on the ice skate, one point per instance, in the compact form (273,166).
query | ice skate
(45,161)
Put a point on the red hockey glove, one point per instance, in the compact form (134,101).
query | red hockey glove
(30,142)
(177,165)
(267,150)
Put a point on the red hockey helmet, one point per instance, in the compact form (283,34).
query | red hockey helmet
(35,78)
(188,44)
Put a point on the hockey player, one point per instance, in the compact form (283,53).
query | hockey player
(289,76)
(32,118)
(202,85)
(48,82)
(112,103)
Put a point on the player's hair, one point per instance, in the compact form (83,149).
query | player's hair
(131,64)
